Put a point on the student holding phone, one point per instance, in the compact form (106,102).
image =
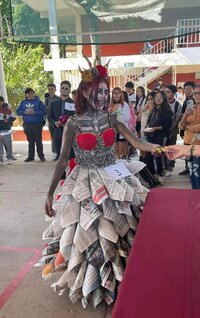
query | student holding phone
(191,124)
(188,104)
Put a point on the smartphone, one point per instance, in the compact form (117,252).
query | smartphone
(190,104)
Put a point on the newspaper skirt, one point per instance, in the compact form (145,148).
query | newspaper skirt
(92,233)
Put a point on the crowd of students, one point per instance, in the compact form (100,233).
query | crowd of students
(161,116)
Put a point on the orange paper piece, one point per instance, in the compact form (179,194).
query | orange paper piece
(47,269)
(59,259)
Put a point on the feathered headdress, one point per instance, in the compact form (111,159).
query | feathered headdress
(94,70)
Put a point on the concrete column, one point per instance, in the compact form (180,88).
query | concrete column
(3,91)
(54,38)
(78,37)
(174,75)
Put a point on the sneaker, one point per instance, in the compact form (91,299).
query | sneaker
(29,159)
(168,173)
(161,179)
(8,162)
(1,162)
(184,172)
(13,158)
(54,154)
(56,158)
(42,159)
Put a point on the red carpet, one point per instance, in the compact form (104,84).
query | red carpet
(162,279)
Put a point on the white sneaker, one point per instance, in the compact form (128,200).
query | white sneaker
(160,178)
(168,173)
(8,162)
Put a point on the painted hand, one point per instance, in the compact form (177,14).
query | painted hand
(48,206)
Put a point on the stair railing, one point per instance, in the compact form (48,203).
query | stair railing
(177,39)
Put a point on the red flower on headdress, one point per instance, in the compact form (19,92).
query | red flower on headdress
(102,71)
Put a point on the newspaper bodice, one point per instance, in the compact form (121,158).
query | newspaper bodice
(94,149)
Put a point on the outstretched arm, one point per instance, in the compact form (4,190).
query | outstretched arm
(131,137)
(177,151)
(61,165)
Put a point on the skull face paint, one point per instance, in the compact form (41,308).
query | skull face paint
(100,100)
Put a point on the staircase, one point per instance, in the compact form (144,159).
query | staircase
(173,44)
(151,74)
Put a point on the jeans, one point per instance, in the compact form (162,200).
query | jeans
(194,168)
(6,142)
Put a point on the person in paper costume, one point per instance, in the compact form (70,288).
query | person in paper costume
(96,216)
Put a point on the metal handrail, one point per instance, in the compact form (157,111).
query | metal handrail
(176,39)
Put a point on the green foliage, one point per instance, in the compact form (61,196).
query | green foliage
(20,19)
(5,9)
(23,67)
(27,21)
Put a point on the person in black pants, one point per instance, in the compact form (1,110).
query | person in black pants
(159,123)
(61,109)
(50,97)
(32,110)
(188,104)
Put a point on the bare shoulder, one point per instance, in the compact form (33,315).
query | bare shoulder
(71,125)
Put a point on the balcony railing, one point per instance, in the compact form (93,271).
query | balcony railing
(121,75)
(176,39)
